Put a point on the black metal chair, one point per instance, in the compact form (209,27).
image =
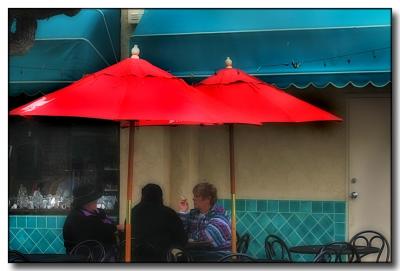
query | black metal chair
(243,243)
(92,250)
(371,238)
(338,252)
(15,256)
(178,255)
(276,249)
(236,257)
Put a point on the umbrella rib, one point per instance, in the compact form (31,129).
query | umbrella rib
(252,85)
(123,99)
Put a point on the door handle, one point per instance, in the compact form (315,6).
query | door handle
(354,195)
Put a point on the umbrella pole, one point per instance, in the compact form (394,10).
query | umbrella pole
(233,187)
(128,229)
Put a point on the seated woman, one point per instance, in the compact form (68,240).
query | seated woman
(207,222)
(86,222)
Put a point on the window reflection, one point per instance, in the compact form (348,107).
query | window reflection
(48,157)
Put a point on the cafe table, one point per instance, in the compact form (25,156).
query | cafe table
(315,249)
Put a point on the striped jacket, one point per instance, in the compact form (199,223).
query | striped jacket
(214,227)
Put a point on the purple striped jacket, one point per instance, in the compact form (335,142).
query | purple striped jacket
(214,227)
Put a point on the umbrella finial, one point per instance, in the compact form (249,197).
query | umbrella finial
(135,51)
(228,63)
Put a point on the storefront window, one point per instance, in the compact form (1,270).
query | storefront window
(48,157)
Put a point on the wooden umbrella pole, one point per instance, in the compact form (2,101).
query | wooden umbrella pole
(128,229)
(233,186)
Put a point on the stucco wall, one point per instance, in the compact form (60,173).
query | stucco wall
(281,161)
(277,162)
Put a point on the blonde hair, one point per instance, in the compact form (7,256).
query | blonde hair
(206,190)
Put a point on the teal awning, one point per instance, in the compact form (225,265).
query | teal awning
(65,49)
(285,47)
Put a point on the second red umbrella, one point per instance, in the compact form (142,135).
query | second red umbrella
(265,102)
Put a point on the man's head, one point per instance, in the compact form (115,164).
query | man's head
(204,196)
(152,193)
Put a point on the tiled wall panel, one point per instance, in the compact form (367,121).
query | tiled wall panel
(36,234)
(298,222)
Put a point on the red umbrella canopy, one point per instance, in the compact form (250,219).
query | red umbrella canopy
(265,102)
(134,89)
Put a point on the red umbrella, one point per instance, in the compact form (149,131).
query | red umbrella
(137,91)
(265,102)
(134,89)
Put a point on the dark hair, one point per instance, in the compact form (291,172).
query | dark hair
(152,193)
(206,190)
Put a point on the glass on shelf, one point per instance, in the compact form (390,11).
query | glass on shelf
(106,202)
(37,199)
(61,200)
(22,197)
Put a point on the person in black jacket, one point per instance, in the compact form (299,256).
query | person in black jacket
(155,227)
(86,222)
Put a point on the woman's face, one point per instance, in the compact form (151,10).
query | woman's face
(91,206)
(201,203)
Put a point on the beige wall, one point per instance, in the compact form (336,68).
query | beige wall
(278,162)
(281,161)
(184,162)
(151,162)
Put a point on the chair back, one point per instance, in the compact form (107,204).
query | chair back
(15,256)
(236,257)
(371,238)
(178,255)
(338,252)
(243,243)
(92,250)
(276,249)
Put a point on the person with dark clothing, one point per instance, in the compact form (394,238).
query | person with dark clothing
(85,222)
(155,228)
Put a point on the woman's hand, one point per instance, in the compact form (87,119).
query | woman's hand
(121,227)
(183,205)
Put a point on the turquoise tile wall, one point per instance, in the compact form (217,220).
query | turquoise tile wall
(298,222)
(36,234)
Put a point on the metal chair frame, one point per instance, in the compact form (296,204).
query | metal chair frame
(91,246)
(243,243)
(374,235)
(180,256)
(236,257)
(270,253)
(14,256)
